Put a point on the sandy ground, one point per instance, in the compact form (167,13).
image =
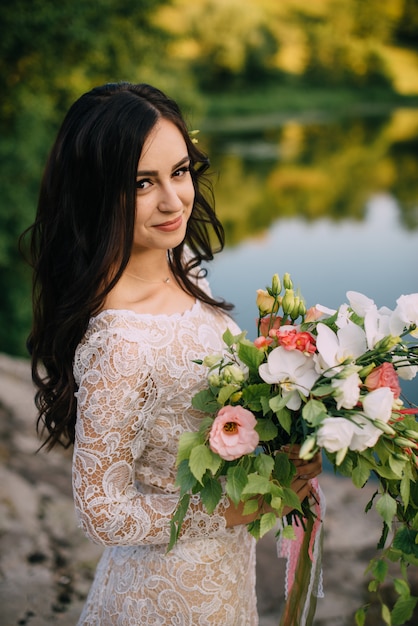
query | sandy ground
(46,564)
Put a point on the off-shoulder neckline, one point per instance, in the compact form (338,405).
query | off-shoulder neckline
(147,316)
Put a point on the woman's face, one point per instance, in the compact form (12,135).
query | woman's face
(165,192)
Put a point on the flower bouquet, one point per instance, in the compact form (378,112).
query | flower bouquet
(323,380)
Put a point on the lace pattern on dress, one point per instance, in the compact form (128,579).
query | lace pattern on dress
(135,377)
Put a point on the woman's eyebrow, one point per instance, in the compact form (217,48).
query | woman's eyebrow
(186,159)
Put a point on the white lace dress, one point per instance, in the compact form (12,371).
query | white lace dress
(136,379)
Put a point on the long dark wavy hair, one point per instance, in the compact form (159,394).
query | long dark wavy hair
(82,236)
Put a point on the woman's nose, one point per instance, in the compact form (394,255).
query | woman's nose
(170,200)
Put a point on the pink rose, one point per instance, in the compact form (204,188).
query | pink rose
(384,376)
(232,434)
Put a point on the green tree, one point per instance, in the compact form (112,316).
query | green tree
(49,54)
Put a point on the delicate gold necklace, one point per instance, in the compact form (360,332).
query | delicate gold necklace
(152,282)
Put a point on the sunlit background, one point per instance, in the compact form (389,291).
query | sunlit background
(309,112)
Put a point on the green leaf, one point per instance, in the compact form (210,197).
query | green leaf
(361,474)
(250,355)
(257,485)
(380,570)
(253,396)
(266,429)
(264,464)
(235,483)
(314,412)
(405,541)
(386,507)
(250,506)
(205,401)
(386,615)
(226,392)
(187,442)
(288,532)
(265,405)
(267,522)
(254,529)
(285,419)
(185,479)
(360,617)
(323,390)
(284,469)
(405,489)
(401,587)
(211,493)
(277,504)
(277,402)
(291,500)
(177,520)
(228,338)
(203,459)
(397,466)
(403,610)
(386,472)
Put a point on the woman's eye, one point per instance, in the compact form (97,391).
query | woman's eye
(143,184)
(182,171)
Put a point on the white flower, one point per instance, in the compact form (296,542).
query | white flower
(359,433)
(377,405)
(293,371)
(343,317)
(365,435)
(336,348)
(406,372)
(347,390)
(335,433)
(405,314)
(376,325)
(325,310)
(359,303)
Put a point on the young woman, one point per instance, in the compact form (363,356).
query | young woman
(121,309)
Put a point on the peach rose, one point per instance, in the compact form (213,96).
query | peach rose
(265,324)
(384,376)
(262,343)
(232,434)
(313,314)
(293,340)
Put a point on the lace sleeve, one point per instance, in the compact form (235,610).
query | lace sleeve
(117,400)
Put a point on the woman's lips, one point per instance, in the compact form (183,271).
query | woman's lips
(172,225)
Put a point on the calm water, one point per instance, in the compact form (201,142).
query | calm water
(366,241)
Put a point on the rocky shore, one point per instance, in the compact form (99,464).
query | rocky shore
(46,564)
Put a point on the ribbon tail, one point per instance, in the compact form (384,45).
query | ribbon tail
(304,582)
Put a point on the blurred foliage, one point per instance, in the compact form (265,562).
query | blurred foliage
(203,53)
(49,54)
(231,44)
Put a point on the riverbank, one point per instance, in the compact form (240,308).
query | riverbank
(46,564)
